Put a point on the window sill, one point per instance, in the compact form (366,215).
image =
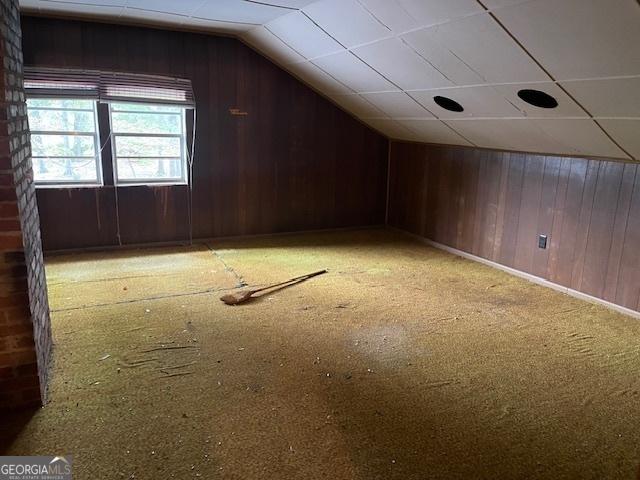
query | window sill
(46,186)
(153,184)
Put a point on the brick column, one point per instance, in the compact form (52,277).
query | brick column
(25,330)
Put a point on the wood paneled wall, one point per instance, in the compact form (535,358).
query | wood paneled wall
(495,204)
(294,162)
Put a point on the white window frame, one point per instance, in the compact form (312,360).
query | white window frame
(96,146)
(183,180)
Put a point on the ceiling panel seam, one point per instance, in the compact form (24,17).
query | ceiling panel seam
(271,5)
(476,85)
(349,50)
(423,106)
(582,208)
(323,30)
(374,15)
(626,227)
(458,133)
(426,60)
(266,27)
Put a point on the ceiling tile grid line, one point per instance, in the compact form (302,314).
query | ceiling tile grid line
(352,52)
(372,14)
(493,84)
(126,7)
(458,133)
(432,112)
(269,4)
(266,27)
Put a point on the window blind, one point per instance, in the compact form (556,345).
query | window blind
(131,88)
(51,82)
(108,86)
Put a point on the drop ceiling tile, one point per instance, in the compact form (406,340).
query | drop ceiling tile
(291,3)
(401,65)
(217,26)
(315,77)
(518,135)
(301,34)
(608,97)
(403,15)
(347,21)
(109,11)
(502,3)
(550,135)
(358,106)
(430,12)
(392,129)
(582,137)
(566,106)
(263,40)
(424,42)
(232,10)
(391,14)
(578,38)
(184,7)
(398,104)
(148,17)
(487,49)
(483,101)
(108,3)
(433,131)
(351,71)
(626,133)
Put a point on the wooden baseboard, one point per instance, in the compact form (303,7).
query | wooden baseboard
(524,275)
(183,243)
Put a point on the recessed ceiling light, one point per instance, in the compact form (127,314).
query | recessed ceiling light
(538,98)
(448,104)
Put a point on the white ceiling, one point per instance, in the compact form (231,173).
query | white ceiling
(385,60)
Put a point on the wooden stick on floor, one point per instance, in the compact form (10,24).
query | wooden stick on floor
(245,295)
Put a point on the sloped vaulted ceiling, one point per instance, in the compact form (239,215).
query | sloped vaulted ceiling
(386,60)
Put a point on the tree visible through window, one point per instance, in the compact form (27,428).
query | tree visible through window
(64,141)
(148,143)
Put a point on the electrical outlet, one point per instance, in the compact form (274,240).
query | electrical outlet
(542,241)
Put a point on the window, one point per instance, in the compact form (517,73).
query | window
(64,141)
(149,143)
(145,115)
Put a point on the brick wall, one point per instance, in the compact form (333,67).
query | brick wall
(25,331)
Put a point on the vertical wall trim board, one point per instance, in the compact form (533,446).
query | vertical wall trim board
(626,225)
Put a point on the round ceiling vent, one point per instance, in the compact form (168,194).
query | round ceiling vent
(448,104)
(538,98)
